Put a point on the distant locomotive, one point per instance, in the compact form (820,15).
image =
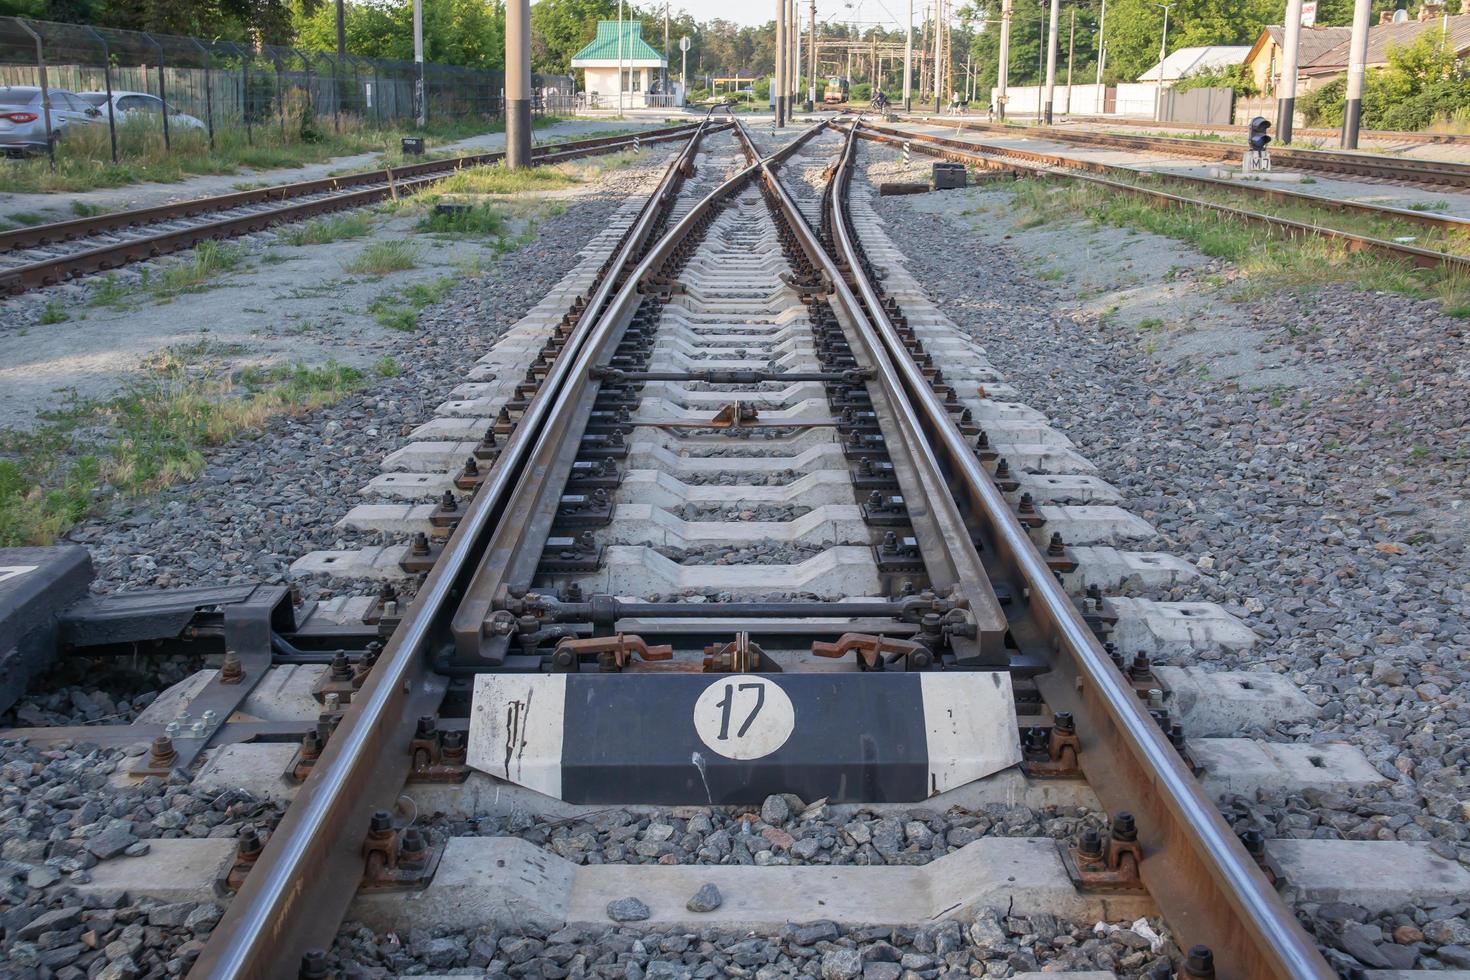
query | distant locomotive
(836,91)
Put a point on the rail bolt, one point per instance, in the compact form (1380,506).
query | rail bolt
(1090,847)
(1200,963)
(426,726)
(1064,723)
(162,753)
(1124,829)
(313,965)
(381,822)
(231,671)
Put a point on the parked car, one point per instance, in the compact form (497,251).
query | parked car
(136,104)
(23,121)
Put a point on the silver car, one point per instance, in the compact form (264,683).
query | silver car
(23,120)
(134,104)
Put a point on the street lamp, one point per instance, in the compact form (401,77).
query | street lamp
(1163,51)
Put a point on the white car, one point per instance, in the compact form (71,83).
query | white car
(138,104)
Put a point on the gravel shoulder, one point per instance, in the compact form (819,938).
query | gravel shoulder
(1305,451)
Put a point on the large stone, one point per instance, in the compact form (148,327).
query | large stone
(627,910)
(707,899)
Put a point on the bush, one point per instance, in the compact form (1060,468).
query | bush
(1423,84)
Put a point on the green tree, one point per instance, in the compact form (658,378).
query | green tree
(469,33)
(561,28)
(1134,28)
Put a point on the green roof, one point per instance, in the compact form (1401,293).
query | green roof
(604,47)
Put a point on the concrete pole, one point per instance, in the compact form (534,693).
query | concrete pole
(1071,50)
(1357,69)
(1102,21)
(1003,61)
(620,57)
(908,62)
(1163,53)
(938,51)
(1286,91)
(793,60)
(778,95)
(517,84)
(341,30)
(811,54)
(420,109)
(1051,57)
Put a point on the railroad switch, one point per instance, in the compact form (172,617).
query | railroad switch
(613,653)
(1098,864)
(247,850)
(877,652)
(438,756)
(394,859)
(740,656)
(1050,752)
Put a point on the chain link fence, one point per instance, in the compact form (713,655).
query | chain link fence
(250,91)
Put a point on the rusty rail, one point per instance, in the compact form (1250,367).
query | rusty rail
(1055,165)
(353,190)
(1201,876)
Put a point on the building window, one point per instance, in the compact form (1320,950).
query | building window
(632,80)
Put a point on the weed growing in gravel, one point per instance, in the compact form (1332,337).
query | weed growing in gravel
(27,218)
(54,312)
(381,258)
(386,367)
(147,437)
(84,210)
(209,259)
(353,224)
(477,219)
(398,309)
(1267,262)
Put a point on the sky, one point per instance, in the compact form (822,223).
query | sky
(888,13)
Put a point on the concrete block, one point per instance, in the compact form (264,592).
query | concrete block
(665,490)
(459,427)
(634,570)
(1244,766)
(283,694)
(1173,629)
(654,526)
(1091,524)
(36,585)
(1025,458)
(1109,568)
(403,519)
(418,457)
(380,563)
(509,883)
(255,768)
(410,486)
(1380,876)
(1229,701)
(179,869)
(1059,489)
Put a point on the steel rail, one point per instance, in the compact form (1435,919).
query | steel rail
(1316,132)
(517,535)
(1052,165)
(1439,173)
(302,883)
(49,271)
(73,228)
(1207,886)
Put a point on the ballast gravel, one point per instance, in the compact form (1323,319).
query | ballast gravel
(261,503)
(1329,515)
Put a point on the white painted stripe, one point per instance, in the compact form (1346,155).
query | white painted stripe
(516,729)
(970,721)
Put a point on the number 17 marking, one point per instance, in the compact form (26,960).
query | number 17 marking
(728,701)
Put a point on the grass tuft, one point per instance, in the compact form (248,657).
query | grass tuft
(149,436)
(353,224)
(478,219)
(381,258)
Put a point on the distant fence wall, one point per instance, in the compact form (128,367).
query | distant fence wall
(243,86)
(1204,106)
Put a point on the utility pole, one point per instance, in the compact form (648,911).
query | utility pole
(1286,90)
(908,62)
(1051,58)
(811,52)
(341,30)
(1163,53)
(779,101)
(938,49)
(620,57)
(1071,48)
(793,60)
(1357,68)
(1003,62)
(420,109)
(1102,20)
(517,84)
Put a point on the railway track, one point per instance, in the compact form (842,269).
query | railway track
(1305,132)
(43,255)
(1427,173)
(1128,180)
(743,515)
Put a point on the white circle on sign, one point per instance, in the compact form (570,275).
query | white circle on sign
(744,716)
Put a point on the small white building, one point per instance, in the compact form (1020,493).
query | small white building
(644,70)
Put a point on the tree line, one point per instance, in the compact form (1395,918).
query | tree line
(472,32)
